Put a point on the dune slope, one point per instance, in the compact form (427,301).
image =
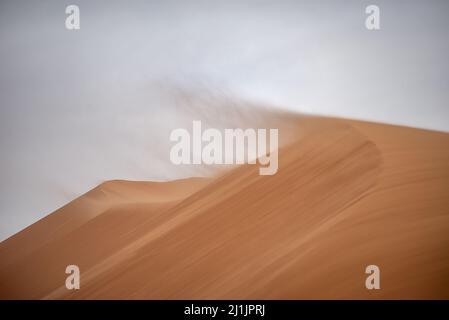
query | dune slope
(347,194)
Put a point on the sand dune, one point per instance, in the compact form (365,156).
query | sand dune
(347,194)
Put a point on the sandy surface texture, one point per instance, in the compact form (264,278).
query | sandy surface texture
(348,194)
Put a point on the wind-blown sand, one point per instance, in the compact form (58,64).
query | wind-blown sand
(347,194)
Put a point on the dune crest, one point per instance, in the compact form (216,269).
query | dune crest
(347,194)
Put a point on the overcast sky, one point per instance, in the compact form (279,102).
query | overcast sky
(81,107)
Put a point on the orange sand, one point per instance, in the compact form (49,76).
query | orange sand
(347,194)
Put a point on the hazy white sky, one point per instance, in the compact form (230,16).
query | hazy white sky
(81,107)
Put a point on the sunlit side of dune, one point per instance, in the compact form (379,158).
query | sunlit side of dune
(347,194)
